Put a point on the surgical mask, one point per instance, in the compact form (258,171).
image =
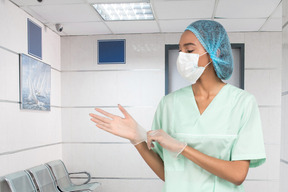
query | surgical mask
(187,65)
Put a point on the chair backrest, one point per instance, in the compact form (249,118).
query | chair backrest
(60,172)
(20,182)
(43,178)
(4,187)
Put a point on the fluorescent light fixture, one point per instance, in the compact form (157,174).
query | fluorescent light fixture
(125,11)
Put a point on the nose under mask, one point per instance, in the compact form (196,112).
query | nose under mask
(187,66)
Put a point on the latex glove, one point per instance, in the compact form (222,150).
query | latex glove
(125,127)
(166,141)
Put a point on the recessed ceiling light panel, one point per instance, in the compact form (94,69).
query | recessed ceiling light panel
(125,11)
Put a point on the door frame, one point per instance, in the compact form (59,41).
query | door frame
(169,47)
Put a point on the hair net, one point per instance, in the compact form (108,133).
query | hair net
(214,39)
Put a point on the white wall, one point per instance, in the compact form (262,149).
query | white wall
(30,138)
(284,130)
(27,138)
(139,85)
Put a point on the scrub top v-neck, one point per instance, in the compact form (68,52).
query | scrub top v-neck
(228,129)
(211,103)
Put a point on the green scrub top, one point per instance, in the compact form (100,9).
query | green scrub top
(229,129)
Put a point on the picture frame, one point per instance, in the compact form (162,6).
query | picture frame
(35,84)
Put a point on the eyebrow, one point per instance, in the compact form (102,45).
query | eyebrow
(186,44)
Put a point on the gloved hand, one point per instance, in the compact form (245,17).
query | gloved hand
(166,141)
(123,127)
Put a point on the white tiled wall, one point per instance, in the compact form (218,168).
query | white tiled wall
(265,85)
(108,88)
(263,50)
(107,160)
(255,186)
(77,126)
(139,85)
(25,129)
(127,185)
(271,121)
(143,52)
(14,36)
(9,72)
(284,131)
(284,105)
(29,158)
(27,138)
(284,176)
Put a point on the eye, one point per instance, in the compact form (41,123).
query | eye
(190,51)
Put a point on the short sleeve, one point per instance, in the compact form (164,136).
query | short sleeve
(250,144)
(157,124)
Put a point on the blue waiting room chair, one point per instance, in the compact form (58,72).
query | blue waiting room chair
(42,179)
(20,181)
(63,181)
(4,187)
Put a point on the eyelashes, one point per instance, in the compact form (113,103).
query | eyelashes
(187,51)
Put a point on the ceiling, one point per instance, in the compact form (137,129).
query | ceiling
(78,17)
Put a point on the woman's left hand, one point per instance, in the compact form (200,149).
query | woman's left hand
(165,140)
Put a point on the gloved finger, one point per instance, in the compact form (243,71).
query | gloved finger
(152,133)
(103,127)
(100,118)
(150,138)
(105,113)
(149,142)
(106,125)
(125,113)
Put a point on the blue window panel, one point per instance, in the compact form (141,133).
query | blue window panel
(34,39)
(111,51)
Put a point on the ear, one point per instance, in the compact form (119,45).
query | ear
(210,59)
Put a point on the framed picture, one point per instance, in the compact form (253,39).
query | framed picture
(35,84)
(111,51)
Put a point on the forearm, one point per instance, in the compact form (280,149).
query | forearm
(232,171)
(152,159)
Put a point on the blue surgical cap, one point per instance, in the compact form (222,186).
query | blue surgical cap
(215,41)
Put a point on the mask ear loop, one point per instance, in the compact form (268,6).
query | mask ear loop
(207,64)
(203,54)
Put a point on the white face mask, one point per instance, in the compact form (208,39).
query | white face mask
(187,65)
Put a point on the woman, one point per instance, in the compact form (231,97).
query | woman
(205,136)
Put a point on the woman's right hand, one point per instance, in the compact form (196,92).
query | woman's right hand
(125,127)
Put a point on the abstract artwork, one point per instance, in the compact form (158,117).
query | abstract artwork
(35,84)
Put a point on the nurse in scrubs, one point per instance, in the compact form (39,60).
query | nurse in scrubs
(205,136)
